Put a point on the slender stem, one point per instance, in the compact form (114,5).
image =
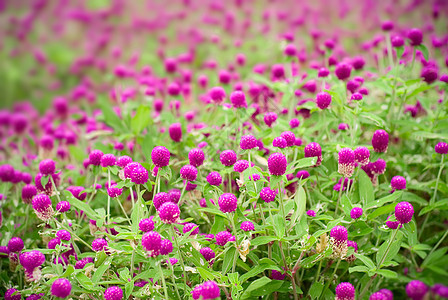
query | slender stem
(438,243)
(56,190)
(72,233)
(283,255)
(182,194)
(341,187)
(108,197)
(316,277)
(132,261)
(180,253)
(283,209)
(132,197)
(163,280)
(94,189)
(230,182)
(123,210)
(174,281)
(235,258)
(332,276)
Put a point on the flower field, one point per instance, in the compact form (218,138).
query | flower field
(238,149)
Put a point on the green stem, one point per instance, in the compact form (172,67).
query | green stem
(332,276)
(180,253)
(163,280)
(283,209)
(235,258)
(108,197)
(72,233)
(438,243)
(316,277)
(173,280)
(55,188)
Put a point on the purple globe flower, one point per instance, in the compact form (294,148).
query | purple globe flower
(276,275)
(190,228)
(346,162)
(53,243)
(345,291)
(398,183)
(6,173)
(169,212)
(356,97)
(339,234)
(214,178)
(227,202)
(248,142)
(267,194)
(404,212)
(415,36)
(380,141)
(208,253)
(441,148)
(175,131)
(289,137)
(146,225)
(277,164)
(294,123)
(416,290)
(311,213)
(302,174)
(356,213)
(217,94)
(166,247)
(362,155)
(113,293)
(238,99)
(270,118)
(9,295)
(160,156)
(61,288)
(429,74)
(228,158)
(278,71)
(31,260)
(160,198)
(114,191)
(152,242)
(323,100)
(64,235)
(343,71)
(139,175)
(189,173)
(279,142)
(388,293)
(47,167)
(240,166)
(28,192)
(174,195)
(210,290)
(378,167)
(108,160)
(99,245)
(247,226)
(314,150)
(63,206)
(378,296)
(196,292)
(196,157)
(387,25)
(222,238)
(95,157)
(42,207)
(392,224)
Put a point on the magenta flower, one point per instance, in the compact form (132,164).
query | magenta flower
(346,162)
(362,155)
(380,141)
(323,100)
(356,213)
(61,288)
(404,212)
(214,178)
(416,290)
(160,156)
(208,253)
(175,131)
(441,148)
(314,150)
(270,118)
(189,173)
(398,183)
(228,158)
(277,164)
(113,293)
(279,142)
(169,212)
(152,242)
(238,99)
(267,194)
(196,157)
(247,226)
(47,167)
(345,291)
(227,202)
(248,142)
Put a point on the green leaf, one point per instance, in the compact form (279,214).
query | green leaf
(274,181)
(260,287)
(214,211)
(400,51)
(362,269)
(346,204)
(257,270)
(262,240)
(110,117)
(300,206)
(380,202)
(366,260)
(279,225)
(393,250)
(128,288)
(228,259)
(81,205)
(44,180)
(141,119)
(387,273)
(365,188)
(305,162)
(219,224)
(382,210)
(101,270)
(424,51)
(316,290)
(165,172)
(369,118)
(205,274)
(85,282)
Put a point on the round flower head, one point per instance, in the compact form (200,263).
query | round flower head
(276,275)
(160,198)
(279,142)
(429,74)
(380,141)
(387,25)
(191,229)
(343,71)
(323,72)
(240,166)
(277,164)
(339,233)
(345,291)
(124,160)
(415,36)
(129,169)
(190,186)
(290,50)
(248,142)
(139,175)
(238,99)
(397,41)
(42,207)
(174,195)
(36,296)
(354,245)
(166,247)
(169,212)
(388,293)
(228,158)
(302,174)
(294,123)
(392,224)
(247,226)
(108,160)
(152,242)
(311,213)
(346,162)
(404,212)
(146,225)
(416,290)
(398,183)
(378,167)
(314,150)
(441,148)
(227,202)
(64,235)
(63,206)
(267,195)
(114,191)
(160,156)
(210,290)
(289,137)
(208,253)
(196,157)
(378,296)
(32,259)
(113,293)
(9,295)
(356,213)
(53,243)
(217,94)
(270,118)
(95,157)
(189,173)
(99,245)
(323,100)
(196,292)
(222,238)
(6,173)
(61,288)
(28,192)
(278,71)
(214,178)
(47,167)
(362,155)
(356,96)
(175,131)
